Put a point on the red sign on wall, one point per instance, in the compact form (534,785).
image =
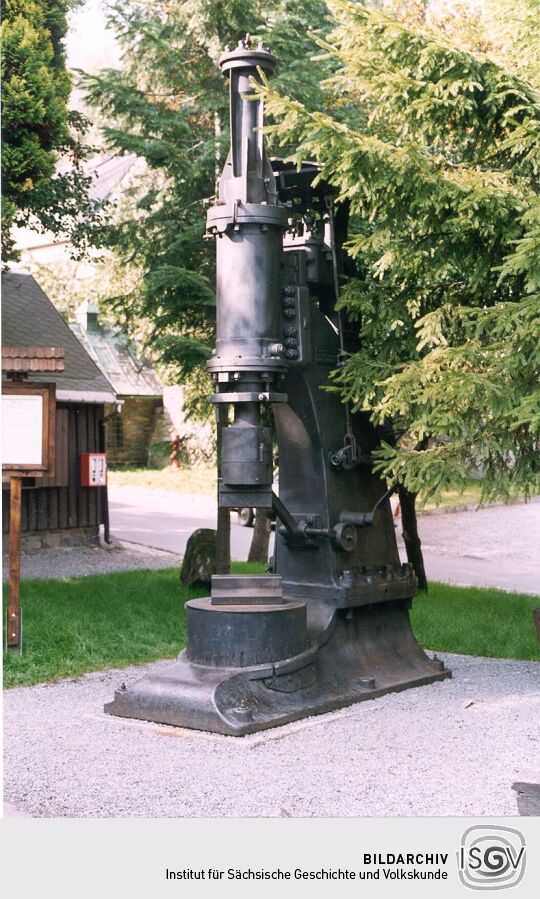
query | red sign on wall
(93,469)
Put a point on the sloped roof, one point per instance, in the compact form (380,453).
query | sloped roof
(30,319)
(108,171)
(128,371)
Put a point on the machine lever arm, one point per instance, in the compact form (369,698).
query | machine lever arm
(285,517)
(365,519)
(343,535)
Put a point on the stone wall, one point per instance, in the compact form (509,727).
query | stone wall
(200,434)
(129,438)
(33,541)
(147,422)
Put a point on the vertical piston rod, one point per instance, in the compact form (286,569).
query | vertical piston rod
(248,222)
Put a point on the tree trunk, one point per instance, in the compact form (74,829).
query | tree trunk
(413,544)
(223,536)
(258,551)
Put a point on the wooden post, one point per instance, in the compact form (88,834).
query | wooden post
(13,620)
(536,618)
(34,460)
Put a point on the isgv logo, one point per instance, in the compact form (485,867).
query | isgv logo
(491,858)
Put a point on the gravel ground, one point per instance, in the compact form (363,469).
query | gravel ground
(78,560)
(451,748)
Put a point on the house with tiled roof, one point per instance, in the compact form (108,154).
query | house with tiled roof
(137,387)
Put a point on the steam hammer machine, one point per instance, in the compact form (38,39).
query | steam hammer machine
(329,626)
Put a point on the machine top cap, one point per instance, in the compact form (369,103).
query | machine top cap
(243,56)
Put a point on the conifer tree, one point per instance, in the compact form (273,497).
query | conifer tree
(169,105)
(38,129)
(442,177)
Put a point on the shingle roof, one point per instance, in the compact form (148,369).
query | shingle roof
(30,319)
(128,371)
(107,172)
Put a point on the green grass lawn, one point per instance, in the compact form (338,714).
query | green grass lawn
(476,621)
(75,625)
(182,480)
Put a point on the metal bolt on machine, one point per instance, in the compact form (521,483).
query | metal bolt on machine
(329,626)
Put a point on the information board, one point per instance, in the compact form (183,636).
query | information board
(28,429)
(22,430)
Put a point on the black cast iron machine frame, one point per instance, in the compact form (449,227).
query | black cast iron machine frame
(329,625)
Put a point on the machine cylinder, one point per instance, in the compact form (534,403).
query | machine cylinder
(246,455)
(248,305)
(248,222)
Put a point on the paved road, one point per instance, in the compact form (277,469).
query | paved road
(165,520)
(498,546)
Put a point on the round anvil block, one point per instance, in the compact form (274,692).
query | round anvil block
(237,636)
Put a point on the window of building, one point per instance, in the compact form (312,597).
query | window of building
(115,433)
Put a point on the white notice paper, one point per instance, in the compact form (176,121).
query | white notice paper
(22,429)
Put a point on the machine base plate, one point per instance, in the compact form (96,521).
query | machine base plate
(370,651)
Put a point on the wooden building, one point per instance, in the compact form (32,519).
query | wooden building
(57,511)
